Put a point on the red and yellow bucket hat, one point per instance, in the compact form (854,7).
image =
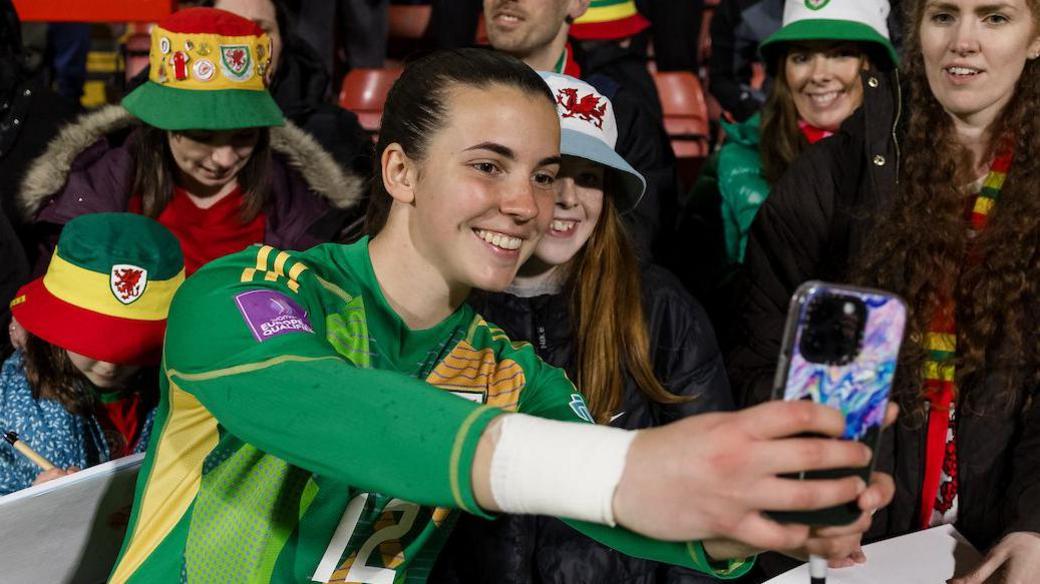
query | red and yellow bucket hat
(206,72)
(609,20)
(107,290)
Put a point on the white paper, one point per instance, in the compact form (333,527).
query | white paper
(931,556)
(60,531)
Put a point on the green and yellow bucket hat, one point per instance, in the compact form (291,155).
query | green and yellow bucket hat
(107,290)
(206,72)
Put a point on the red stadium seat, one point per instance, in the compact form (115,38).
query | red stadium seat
(685,120)
(683,104)
(364,93)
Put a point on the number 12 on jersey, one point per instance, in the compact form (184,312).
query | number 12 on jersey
(359,570)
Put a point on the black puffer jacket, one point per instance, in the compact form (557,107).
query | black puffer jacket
(818,216)
(518,549)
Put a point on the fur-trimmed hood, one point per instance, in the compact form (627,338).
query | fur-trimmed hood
(48,174)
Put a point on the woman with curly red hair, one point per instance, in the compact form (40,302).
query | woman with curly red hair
(958,235)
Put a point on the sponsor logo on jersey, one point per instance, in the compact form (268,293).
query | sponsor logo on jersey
(128,282)
(580,409)
(269,313)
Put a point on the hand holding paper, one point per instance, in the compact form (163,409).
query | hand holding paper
(1019,556)
(931,556)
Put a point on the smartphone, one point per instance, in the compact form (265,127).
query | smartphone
(840,349)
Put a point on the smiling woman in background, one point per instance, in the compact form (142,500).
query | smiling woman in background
(201,147)
(817,59)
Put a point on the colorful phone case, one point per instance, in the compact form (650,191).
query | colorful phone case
(859,388)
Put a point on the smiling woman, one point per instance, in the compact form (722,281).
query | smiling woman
(480,214)
(819,60)
(201,147)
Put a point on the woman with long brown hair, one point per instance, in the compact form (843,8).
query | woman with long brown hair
(638,345)
(958,236)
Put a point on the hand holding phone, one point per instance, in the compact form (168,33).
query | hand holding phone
(840,349)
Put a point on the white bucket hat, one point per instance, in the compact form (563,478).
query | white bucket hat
(589,130)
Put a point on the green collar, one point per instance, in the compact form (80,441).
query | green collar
(404,345)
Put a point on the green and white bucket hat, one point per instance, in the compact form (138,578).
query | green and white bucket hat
(862,21)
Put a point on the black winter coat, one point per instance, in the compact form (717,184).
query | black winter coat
(528,549)
(817,217)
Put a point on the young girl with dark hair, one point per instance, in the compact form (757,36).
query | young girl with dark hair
(201,147)
(956,236)
(83,390)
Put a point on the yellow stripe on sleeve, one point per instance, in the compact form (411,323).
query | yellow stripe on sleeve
(297,270)
(262,256)
(456,457)
(279,262)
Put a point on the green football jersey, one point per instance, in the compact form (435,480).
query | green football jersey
(306,434)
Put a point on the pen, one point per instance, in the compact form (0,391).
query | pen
(817,570)
(29,453)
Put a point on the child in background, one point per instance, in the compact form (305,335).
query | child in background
(83,389)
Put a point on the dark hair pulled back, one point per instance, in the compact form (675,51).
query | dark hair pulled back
(416,107)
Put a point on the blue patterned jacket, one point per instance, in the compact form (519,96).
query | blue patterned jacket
(61,437)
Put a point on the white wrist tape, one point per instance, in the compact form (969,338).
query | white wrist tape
(561,469)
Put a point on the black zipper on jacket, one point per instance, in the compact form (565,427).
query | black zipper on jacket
(895,121)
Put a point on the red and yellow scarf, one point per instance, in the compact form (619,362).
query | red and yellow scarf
(939,492)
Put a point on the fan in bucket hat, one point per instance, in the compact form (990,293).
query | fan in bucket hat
(609,20)
(107,290)
(589,130)
(206,72)
(862,21)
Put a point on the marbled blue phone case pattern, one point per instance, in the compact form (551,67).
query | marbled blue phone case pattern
(858,389)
